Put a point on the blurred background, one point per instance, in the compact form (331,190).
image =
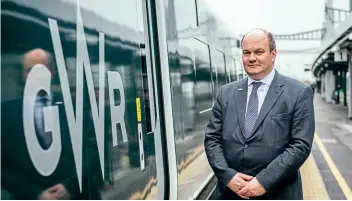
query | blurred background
(286,18)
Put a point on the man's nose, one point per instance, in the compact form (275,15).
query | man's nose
(252,58)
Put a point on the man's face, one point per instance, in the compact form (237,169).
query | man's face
(256,56)
(31,58)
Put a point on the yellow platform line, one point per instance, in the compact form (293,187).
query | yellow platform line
(339,178)
(312,181)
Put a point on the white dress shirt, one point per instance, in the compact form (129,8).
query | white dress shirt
(38,110)
(262,90)
(39,120)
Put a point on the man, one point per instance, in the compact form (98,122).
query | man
(261,128)
(19,177)
(313,85)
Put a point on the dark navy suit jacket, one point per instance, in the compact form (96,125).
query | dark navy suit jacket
(19,176)
(280,143)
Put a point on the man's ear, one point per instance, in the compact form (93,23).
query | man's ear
(273,55)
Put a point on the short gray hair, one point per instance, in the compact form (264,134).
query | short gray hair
(269,35)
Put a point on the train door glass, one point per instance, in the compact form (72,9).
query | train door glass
(240,70)
(214,76)
(229,68)
(237,69)
(203,77)
(218,62)
(233,75)
(73,101)
(195,101)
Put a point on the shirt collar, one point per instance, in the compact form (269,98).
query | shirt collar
(266,80)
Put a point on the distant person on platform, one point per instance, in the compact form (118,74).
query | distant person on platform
(261,128)
(313,85)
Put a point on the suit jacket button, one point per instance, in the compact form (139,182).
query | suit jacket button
(246,146)
(245,170)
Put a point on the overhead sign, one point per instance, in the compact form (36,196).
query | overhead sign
(341,55)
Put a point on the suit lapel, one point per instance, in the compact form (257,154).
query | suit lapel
(241,102)
(271,97)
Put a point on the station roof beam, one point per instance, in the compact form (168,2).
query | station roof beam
(316,34)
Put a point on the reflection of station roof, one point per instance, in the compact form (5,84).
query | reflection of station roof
(186,55)
(185,51)
(67,11)
(340,38)
(27,21)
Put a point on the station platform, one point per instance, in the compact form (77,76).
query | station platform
(327,172)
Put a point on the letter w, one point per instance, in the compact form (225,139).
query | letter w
(75,123)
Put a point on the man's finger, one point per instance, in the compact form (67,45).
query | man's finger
(241,194)
(46,196)
(53,189)
(244,190)
(246,177)
(242,182)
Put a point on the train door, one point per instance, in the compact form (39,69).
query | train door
(79,113)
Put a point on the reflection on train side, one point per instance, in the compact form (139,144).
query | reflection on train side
(81,97)
(70,77)
(200,63)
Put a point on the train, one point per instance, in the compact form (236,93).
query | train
(110,99)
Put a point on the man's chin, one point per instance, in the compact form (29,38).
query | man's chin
(256,75)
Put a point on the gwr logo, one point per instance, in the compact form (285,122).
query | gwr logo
(39,78)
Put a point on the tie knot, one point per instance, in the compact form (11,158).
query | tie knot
(256,85)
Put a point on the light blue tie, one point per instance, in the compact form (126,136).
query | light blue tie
(252,110)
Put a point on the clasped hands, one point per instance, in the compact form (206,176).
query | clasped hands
(57,192)
(246,186)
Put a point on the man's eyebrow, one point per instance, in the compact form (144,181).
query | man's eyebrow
(259,49)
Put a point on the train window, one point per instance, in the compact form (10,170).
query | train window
(226,69)
(214,72)
(238,69)
(219,63)
(203,12)
(187,19)
(204,86)
(234,75)
(192,99)
(231,64)
(229,68)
